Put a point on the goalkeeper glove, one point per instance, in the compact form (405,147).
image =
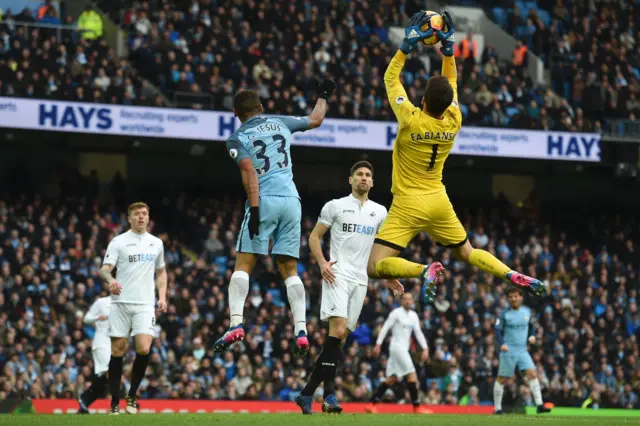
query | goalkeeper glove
(447,39)
(413,32)
(326,88)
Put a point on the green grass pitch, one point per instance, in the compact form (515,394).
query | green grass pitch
(299,420)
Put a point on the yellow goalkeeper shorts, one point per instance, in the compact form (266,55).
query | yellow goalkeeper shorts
(432,213)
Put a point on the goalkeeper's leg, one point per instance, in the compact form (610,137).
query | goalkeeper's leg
(383,263)
(489,263)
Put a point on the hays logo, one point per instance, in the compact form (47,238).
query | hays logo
(392,132)
(585,148)
(74,117)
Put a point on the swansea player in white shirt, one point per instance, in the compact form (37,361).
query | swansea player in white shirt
(137,256)
(98,316)
(354,221)
(403,322)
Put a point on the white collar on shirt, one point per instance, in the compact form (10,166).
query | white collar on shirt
(358,201)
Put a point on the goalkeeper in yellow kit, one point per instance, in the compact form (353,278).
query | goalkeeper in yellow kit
(420,203)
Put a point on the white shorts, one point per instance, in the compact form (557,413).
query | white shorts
(101,358)
(127,319)
(400,363)
(343,299)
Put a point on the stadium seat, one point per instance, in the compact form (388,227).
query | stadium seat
(221,262)
(545,17)
(524,9)
(500,16)
(511,111)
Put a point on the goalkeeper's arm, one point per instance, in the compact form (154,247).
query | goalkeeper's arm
(398,98)
(449,69)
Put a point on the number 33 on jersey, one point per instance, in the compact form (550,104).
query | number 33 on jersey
(267,142)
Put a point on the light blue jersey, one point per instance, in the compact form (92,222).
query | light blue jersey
(514,325)
(267,142)
(513,329)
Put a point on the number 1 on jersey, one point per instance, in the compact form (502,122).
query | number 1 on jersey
(434,156)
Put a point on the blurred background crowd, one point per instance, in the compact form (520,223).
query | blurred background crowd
(51,250)
(198,53)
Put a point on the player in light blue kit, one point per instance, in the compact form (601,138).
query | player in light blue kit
(261,148)
(513,331)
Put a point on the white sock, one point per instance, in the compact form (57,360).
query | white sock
(238,292)
(297,302)
(498,390)
(536,391)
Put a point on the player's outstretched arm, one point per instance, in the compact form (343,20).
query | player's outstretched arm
(325,90)
(318,114)
(395,91)
(447,39)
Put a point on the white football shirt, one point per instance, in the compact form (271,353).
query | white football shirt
(102,306)
(402,324)
(353,228)
(136,258)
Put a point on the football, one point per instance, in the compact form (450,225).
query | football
(434,23)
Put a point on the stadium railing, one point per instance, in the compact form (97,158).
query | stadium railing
(183,99)
(59,29)
(623,130)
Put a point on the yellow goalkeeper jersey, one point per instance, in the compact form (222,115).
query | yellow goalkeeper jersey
(423,143)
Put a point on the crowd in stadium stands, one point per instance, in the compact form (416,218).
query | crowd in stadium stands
(201,52)
(590,46)
(50,254)
(70,65)
(210,50)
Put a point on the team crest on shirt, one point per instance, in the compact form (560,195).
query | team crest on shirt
(233,153)
(526,317)
(400,99)
(373,214)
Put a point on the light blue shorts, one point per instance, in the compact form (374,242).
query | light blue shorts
(279,220)
(510,361)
